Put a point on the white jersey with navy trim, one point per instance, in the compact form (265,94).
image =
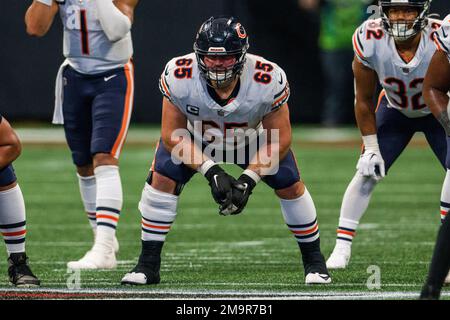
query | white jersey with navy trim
(401,81)
(442,37)
(263,89)
(86,45)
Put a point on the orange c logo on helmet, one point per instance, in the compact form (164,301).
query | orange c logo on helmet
(241,31)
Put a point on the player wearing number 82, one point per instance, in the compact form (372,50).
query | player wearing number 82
(94,100)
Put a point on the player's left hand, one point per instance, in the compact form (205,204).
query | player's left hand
(242,189)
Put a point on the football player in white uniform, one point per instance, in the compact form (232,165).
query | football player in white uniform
(220,89)
(94,101)
(12,210)
(396,51)
(435,92)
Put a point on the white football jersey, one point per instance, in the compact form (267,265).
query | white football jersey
(401,81)
(263,89)
(86,46)
(442,37)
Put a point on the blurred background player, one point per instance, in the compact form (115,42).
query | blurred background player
(224,88)
(94,100)
(394,50)
(338,20)
(435,89)
(12,210)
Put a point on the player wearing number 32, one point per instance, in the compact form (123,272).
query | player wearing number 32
(217,89)
(94,100)
(396,51)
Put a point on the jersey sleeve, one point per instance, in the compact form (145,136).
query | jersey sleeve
(279,93)
(173,88)
(164,81)
(442,37)
(363,41)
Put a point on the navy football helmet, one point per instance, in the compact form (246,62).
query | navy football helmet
(221,36)
(403,30)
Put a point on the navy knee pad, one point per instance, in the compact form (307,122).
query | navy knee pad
(7,176)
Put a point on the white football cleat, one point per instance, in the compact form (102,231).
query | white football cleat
(447,279)
(317,278)
(339,258)
(97,258)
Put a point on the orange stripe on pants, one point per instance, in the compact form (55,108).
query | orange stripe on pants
(118,144)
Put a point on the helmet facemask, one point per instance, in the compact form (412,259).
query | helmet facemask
(220,77)
(403,30)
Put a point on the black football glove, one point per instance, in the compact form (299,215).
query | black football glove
(242,189)
(221,185)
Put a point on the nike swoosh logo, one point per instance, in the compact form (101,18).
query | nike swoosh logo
(324,277)
(281,80)
(166,72)
(110,77)
(215,180)
(443,33)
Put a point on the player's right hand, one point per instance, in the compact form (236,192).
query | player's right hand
(221,185)
(371,164)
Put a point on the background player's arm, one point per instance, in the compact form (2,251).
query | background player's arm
(10,146)
(173,119)
(116,17)
(365,85)
(371,163)
(39,18)
(277,120)
(435,88)
(127,7)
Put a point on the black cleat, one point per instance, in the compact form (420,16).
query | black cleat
(430,292)
(147,269)
(316,271)
(145,272)
(19,272)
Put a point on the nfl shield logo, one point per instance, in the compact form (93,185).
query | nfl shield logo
(405,70)
(221,113)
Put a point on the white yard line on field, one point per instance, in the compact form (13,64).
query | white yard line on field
(164,294)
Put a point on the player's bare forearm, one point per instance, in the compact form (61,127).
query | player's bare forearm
(39,18)
(176,138)
(10,146)
(127,7)
(278,120)
(365,117)
(365,84)
(435,88)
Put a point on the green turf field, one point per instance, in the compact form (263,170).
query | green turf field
(253,254)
